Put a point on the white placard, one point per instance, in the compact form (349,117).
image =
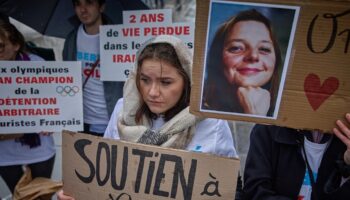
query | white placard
(119,43)
(40,96)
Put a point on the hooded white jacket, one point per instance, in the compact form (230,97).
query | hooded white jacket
(210,135)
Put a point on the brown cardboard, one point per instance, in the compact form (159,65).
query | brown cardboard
(203,176)
(295,110)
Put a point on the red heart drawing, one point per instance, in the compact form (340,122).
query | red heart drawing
(317,93)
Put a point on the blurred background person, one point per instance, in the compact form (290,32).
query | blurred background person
(83,44)
(35,150)
(286,163)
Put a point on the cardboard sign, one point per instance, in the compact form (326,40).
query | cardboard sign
(119,43)
(309,41)
(98,168)
(40,96)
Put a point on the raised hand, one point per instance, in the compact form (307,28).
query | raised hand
(61,196)
(342,131)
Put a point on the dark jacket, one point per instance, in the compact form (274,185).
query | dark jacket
(113,90)
(275,167)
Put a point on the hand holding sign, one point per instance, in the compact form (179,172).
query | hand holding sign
(61,196)
(342,131)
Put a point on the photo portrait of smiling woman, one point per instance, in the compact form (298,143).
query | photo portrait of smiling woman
(244,64)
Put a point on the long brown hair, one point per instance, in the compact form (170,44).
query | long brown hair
(166,53)
(10,32)
(216,79)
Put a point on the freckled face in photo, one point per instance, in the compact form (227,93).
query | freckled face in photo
(248,55)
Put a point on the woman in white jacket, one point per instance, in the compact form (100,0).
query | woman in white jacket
(155,105)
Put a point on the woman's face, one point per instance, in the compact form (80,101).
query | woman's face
(8,51)
(248,54)
(161,85)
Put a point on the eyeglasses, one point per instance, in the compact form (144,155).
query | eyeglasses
(2,47)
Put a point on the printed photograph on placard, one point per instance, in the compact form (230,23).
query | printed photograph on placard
(247,53)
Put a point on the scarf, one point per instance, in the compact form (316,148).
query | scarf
(177,133)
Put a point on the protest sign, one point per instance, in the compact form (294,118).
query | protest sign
(119,43)
(40,96)
(309,87)
(99,168)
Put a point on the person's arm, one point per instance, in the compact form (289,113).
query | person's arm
(112,129)
(45,133)
(342,131)
(70,47)
(258,173)
(338,185)
(225,144)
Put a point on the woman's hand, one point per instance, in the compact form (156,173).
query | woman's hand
(45,133)
(343,133)
(62,196)
(254,100)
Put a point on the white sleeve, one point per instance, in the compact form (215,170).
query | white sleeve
(112,130)
(224,141)
(213,136)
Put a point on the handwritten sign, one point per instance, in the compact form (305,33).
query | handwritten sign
(98,168)
(40,96)
(119,43)
(317,88)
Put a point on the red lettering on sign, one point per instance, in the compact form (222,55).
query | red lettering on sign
(145,18)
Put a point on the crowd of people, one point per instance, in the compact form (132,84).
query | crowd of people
(152,107)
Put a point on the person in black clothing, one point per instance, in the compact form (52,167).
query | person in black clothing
(343,133)
(284,163)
